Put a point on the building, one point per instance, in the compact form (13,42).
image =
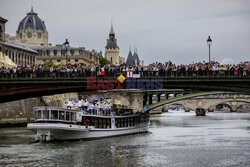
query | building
(133,60)
(12,54)
(31,32)
(112,50)
(58,55)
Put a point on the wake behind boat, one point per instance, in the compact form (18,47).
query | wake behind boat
(53,123)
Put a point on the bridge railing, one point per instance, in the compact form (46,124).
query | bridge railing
(115,74)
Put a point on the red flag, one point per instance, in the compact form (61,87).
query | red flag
(102,73)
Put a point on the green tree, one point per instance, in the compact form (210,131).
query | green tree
(102,60)
(48,64)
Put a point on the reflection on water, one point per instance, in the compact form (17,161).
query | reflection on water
(175,139)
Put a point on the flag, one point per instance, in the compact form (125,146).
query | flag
(102,73)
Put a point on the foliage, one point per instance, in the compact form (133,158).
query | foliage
(102,60)
(50,64)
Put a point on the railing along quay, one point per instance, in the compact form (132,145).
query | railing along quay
(142,74)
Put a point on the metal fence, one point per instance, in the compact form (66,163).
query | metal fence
(115,74)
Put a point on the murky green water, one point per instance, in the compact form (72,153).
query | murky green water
(175,139)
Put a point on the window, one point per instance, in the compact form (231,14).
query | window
(76,60)
(61,115)
(55,52)
(38,114)
(72,51)
(48,52)
(44,60)
(58,60)
(67,116)
(21,35)
(63,52)
(40,52)
(81,52)
(29,34)
(39,35)
(54,114)
(1,33)
(76,53)
(46,114)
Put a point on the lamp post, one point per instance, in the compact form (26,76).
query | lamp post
(209,43)
(66,43)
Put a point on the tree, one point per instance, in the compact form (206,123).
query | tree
(102,60)
(51,64)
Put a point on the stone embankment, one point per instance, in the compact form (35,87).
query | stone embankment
(18,113)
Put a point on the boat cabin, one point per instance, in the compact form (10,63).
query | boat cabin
(52,114)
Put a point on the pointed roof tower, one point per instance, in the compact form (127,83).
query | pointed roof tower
(130,58)
(112,30)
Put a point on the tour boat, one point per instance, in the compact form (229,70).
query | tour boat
(53,123)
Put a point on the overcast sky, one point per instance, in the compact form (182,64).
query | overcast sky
(162,30)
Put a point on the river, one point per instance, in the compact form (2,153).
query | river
(175,139)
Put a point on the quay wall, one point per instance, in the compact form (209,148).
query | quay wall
(21,112)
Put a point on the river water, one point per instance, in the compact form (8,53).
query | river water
(175,139)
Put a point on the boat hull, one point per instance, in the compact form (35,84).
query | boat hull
(55,131)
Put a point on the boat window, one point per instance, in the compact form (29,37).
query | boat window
(61,115)
(38,114)
(54,114)
(95,120)
(73,116)
(67,116)
(46,114)
(108,123)
(104,123)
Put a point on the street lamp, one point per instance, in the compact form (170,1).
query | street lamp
(66,43)
(209,43)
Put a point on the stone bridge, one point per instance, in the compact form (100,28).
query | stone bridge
(209,104)
(200,103)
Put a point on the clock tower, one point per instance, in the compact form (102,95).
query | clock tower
(112,50)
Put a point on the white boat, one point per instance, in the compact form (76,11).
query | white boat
(54,123)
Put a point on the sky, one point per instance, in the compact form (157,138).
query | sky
(161,30)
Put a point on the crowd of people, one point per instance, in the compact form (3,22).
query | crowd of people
(154,69)
(97,106)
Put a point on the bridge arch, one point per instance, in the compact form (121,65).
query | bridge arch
(175,99)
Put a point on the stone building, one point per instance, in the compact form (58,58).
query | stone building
(133,60)
(31,31)
(57,54)
(12,54)
(112,50)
